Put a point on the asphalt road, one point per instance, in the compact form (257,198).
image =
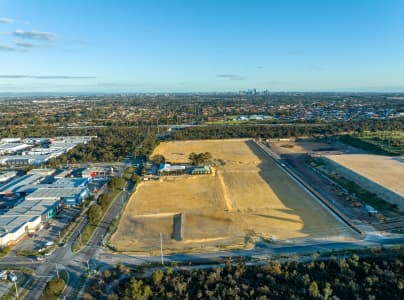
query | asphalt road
(80,262)
(261,251)
(75,264)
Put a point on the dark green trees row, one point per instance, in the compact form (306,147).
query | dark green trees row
(372,277)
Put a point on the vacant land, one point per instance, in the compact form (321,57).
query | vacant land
(383,170)
(301,147)
(247,196)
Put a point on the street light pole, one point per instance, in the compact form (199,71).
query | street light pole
(16,290)
(57,271)
(161,248)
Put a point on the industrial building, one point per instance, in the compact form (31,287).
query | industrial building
(13,186)
(63,174)
(68,196)
(202,170)
(41,150)
(97,172)
(43,172)
(26,218)
(35,198)
(6,176)
(168,169)
(15,228)
(10,148)
(17,160)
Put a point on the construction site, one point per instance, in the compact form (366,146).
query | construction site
(366,188)
(246,198)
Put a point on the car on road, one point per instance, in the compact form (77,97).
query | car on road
(40,258)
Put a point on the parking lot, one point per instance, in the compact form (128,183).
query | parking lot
(48,234)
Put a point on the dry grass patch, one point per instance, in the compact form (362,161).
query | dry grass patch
(248,195)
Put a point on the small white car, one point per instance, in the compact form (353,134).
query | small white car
(12,277)
(3,275)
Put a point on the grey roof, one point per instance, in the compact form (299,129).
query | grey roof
(13,223)
(13,185)
(54,193)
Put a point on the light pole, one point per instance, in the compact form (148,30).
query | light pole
(161,248)
(16,289)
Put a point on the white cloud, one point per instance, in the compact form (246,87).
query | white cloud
(35,35)
(6,20)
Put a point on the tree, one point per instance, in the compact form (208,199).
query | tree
(158,159)
(55,286)
(139,291)
(327,290)
(313,289)
(157,277)
(95,214)
(200,158)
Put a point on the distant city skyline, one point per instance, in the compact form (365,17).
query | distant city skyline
(72,46)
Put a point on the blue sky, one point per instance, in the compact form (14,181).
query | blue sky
(201,45)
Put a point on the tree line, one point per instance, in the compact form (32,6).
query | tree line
(285,131)
(375,276)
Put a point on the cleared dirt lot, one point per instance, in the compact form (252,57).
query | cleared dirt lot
(383,170)
(301,147)
(246,197)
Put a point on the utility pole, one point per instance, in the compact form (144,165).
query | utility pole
(88,266)
(57,271)
(16,290)
(161,248)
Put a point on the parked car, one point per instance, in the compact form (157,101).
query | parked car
(3,275)
(12,277)
(50,243)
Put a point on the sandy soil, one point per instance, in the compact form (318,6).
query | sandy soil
(384,170)
(248,196)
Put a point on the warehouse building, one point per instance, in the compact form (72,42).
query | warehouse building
(59,183)
(26,218)
(5,176)
(68,196)
(202,170)
(46,209)
(168,169)
(15,228)
(9,148)
(97,172)
(13,186)
(18,160)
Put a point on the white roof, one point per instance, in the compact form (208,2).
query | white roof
(170,168)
